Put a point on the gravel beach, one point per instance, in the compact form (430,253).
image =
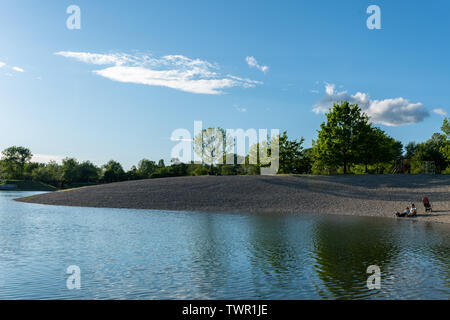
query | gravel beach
(363,195)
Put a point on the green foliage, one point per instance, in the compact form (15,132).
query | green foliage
(445,147)
(147,167)
(211,146)
(291,155)
(200,171)
(70,170)
(113,172)
(342,136)
(431,150)
(88,172)
(14,160)
(446,127)
(227,170)
(347,140)
(347,143)
(411,149)
(292,158)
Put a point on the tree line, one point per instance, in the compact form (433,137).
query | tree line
(346,143)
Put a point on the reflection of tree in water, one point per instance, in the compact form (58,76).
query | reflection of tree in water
(343,250)
(442,256)
(273,253)
(210,255)
(439,251)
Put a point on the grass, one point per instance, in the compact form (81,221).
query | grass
(25,185)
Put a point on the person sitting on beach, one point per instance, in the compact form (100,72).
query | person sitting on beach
(404,213)
(412,211)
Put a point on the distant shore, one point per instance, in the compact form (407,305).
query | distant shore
(362,195)
(24,185)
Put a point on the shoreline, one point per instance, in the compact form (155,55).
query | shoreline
(359,195)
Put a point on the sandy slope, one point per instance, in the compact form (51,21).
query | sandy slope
(367,195)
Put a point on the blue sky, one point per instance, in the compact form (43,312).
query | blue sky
(136,71)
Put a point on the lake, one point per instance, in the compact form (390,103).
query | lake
(148,254)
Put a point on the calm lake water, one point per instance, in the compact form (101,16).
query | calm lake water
(145,254)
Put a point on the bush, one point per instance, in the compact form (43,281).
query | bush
(227,170)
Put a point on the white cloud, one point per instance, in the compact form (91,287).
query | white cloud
(389,112)
(96,58)
(440,112)
(251,61)
(172,71)
(18,69)
(2,64)
(46,158)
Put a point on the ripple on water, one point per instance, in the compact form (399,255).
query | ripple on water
(132,254)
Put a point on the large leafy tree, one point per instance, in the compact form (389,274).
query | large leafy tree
(146,168)
(88,172)
(15,159)
(342,136)
(211,145)
(70,170)
(411,149)
(430,150)
(113,172)
(377,147)
(445,148)
(291,154)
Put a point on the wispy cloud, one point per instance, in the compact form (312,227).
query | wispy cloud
(15,68)
(253,63)
(172,71)
(389,112)
(18,69)
(440,112)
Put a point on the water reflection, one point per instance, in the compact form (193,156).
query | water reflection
(344,250)
(136,254)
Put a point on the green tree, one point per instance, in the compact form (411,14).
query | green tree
(49,173)
(430,150)
(377,147)
(161,163)
(411,149)
(88,172)
(147,167)
(133,174)
(446,127)
(211,145)
(113,172)
(70,171)
(445,148)
(291,154)
(15,159)
(341,136)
